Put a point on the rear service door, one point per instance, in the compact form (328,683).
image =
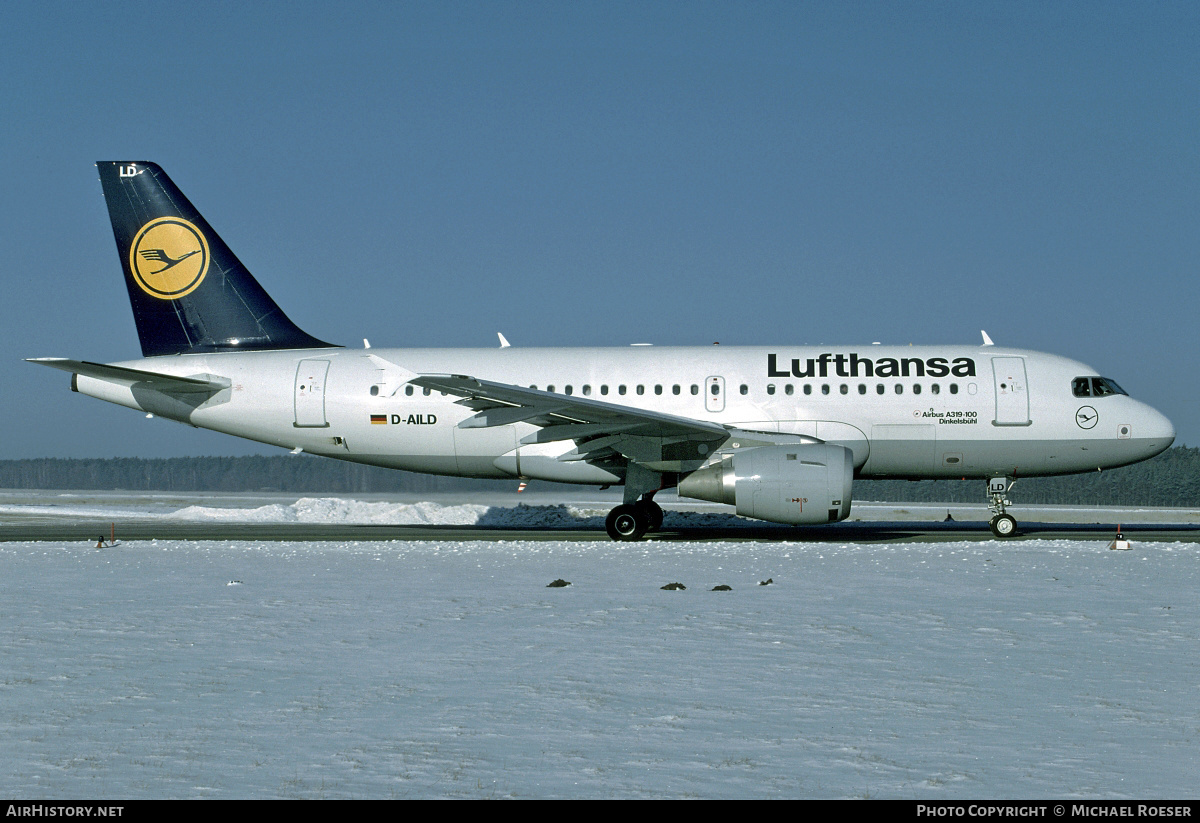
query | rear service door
(310,394)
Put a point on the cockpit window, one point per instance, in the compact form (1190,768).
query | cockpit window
(1095,387)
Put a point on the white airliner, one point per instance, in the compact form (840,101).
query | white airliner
(778,432)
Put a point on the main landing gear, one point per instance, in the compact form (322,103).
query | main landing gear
(1003,524)
(631,521)
(639,513)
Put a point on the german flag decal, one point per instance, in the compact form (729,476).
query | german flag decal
(378,418)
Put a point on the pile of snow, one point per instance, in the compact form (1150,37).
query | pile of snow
(336,510)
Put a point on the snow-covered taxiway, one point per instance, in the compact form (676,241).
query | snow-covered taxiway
(1038,668)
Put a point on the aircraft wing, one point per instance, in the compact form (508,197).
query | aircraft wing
(600,429)
(203,384)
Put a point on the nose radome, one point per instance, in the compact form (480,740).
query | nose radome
(1167,427)
(1156,427)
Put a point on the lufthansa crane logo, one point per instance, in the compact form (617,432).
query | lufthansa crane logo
(1086,417)
(169,258)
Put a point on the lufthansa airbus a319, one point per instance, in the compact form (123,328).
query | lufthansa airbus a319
(779,432)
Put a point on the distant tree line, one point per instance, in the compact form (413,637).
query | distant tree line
(1171,479)
(285,473)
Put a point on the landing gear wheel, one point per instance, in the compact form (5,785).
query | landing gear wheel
(1003,525)
(627,522)
(654,514)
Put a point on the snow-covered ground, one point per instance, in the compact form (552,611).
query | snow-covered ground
(449,669)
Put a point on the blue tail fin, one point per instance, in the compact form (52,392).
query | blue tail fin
(189,292)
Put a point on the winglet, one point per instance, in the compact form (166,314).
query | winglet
(987,341)
(504,344)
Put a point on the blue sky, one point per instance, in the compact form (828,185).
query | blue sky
(605,173)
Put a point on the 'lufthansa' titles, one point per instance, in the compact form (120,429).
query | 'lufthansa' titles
(851,365)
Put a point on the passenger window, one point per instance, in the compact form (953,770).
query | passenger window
(770,388)
(427,392)
(675,389)
(862,388)
(935,388)
(603,389)
(899,388)
(824,388)
(550,388)
(641,389)
(744,389)
(621,390)
(808,388)
(954,388)
(716,389)
(879,389)
(695,389)
(408,390)
(570,390)
(587,390)
(916,388)
(844,389)
(788,389)
(658,389)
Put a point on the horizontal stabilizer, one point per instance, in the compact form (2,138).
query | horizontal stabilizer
(201,384)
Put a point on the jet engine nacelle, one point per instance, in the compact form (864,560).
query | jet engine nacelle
(806,483)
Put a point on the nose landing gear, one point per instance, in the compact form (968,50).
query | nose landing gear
(1002,523)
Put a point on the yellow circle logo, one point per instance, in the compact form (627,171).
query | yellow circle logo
(168,258)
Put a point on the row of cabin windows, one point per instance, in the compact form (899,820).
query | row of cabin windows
(658,389)
(744,389)
(880,388)
(587,390)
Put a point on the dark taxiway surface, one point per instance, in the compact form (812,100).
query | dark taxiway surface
(846,532)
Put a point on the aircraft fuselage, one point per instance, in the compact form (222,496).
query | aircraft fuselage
(916,412)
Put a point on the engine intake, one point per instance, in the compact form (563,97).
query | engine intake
(806,483)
